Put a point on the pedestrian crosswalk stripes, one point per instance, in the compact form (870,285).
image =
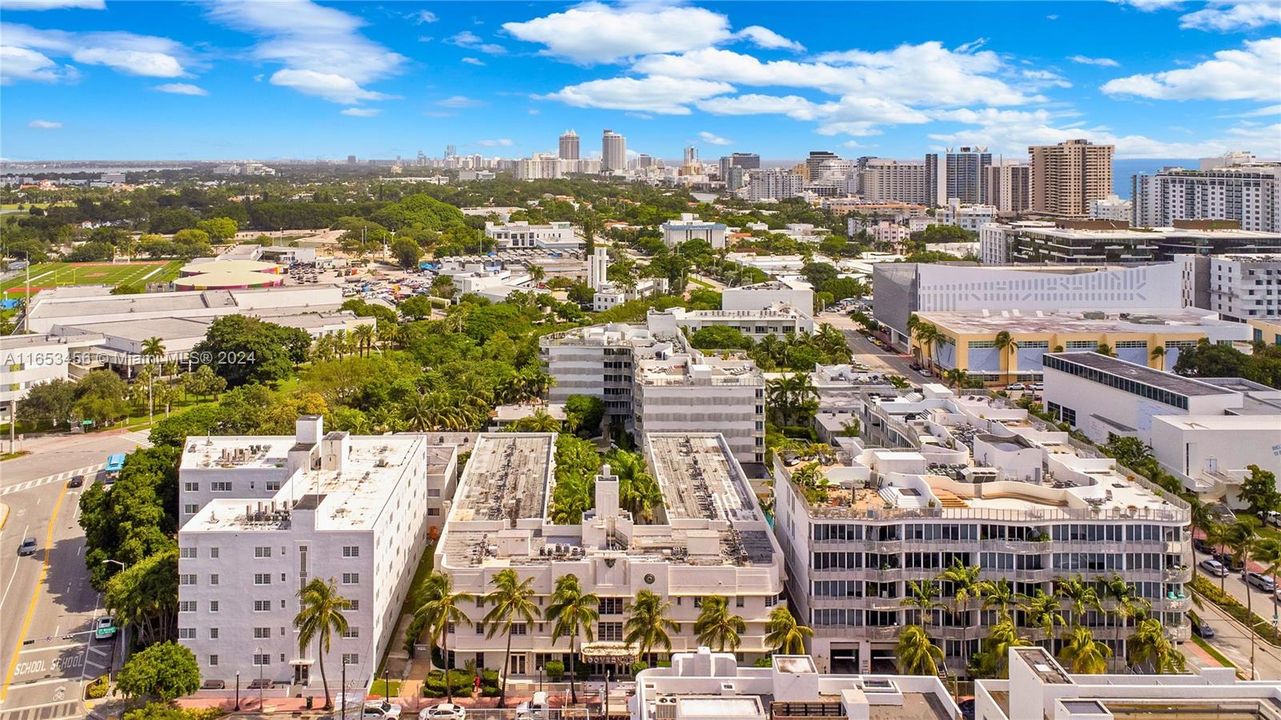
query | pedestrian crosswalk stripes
(60,477)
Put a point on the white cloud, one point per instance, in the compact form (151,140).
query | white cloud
(714,139)
(597,33)
(661,95)
(459,101)
(423,16)
(44,124)
(1149,5)
(330,86)
(320,48)
(498,142)
(1099,61)
(793,106)
(359,112)
(471,40)
(1264,111)
(182,89)
(28,53)
(1232,16)
(52,4)
(768,39)
(1246,74)
(1044,78)
(474,61)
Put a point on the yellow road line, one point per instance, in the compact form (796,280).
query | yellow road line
(4,520)
(35,595)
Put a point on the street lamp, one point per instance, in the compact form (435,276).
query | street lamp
(606,695)
(540,678)
(237,691)
(109,561)
(342,695)
(258,660)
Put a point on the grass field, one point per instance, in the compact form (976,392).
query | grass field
(59,274)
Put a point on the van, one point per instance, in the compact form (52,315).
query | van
(1273,518)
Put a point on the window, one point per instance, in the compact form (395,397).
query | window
(351,632)
(187,579)
(262,606)
(350,551)
(220,486)
(351,658)
(351,578)
(213,661)
(355,605)
(262,552)
(187,552)
(273,485)
(186,633)
(611,606)
(213,606)
(738,601)
(213,579)
(263,659)
(191,487)
(433,512)
(186,606)
(213,552)
(213,633)
(520,628)
(262,578)
(609,631)
(190,509)
(262,633)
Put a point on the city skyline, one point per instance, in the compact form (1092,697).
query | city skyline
(189,82)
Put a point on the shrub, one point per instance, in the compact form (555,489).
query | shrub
(555,670)
(638,666)
(97,688)
(460,682)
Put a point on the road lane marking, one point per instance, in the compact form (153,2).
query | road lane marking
(52,647)
(35,595)
(14,573)
(87,471)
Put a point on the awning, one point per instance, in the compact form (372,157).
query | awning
(302,661)
(608,652)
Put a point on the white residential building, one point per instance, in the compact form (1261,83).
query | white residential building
(704,685)
(689,227)
(968,217)
(759,296)
(885,232)
(774,185)
(284,511)
(972,481)
(1248,194)
(1241,287)
(1064,242)
(1111,208)
(779,320)
(709,537)
(894,181)
(598,268)
(1039,687)
(559,235)
(28,360)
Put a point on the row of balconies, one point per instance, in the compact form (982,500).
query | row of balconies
(1181,574)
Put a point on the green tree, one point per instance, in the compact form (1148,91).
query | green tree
(719,337)
(52,400)
(164,671)
(407,252)
(784,633)
(1008,347)
(100,397)
(319,619)
(1080,595)
(793,399)
(583,414)
(647,625)
(1242,539)
(916,652)
(243,349)
(203,382)
(922,596)
(145,597)
(1150,649)
(1259,491)
(539,421)
(417,307)
(1082,654)
(511,602)
(965,585)
(572,613)
(1043,611)
(717,627)
(218,229)
(994,659)
(439,608)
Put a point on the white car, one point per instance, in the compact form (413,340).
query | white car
(378,710)
(443,711)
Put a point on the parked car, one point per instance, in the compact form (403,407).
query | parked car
(378,710)
(1259,581)
(27,547)
(443,711)
(1213,567)
(1200,629)
(76,481)
(1201,546)
(1014,386)
(1229,561)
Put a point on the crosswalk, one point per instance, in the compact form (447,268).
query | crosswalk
(88,471)
(48,711)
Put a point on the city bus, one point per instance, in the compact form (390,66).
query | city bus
(114,464)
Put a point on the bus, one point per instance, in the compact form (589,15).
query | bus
(113,467)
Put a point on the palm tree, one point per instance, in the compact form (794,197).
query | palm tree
(1083,654)
(956,377)
(1006,346)
(832,341)
(439,607)
(647,625)
(572,612)
(152,348)
(1081,594)
(511,602)
(926,336)
(540,421)
(1158,356)
(1242,539)
(638,491)
(1001,596)
(1043,611)
(1150,649)
(784,634)
(923,597)
(1105,349)
(793,397)
(717,627)
(996,656)
(966,586)
(1203,519)
(363,338)
(1127,603)
(537,273)
(1268,552)
(416,412)
(320,617)
(916,652)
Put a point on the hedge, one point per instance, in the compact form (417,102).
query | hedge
(459,680)
(1233,607)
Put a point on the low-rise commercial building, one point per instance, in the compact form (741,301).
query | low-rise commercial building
(29,360)
(689,227)
(708,537)
(559,235)
(759,296)
(975,482)
(779,320)
(279,512)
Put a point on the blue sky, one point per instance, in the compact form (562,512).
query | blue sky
(228,79)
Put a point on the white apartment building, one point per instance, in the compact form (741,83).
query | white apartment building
(1249,194)
(689,227)
(759,296)
(647,375)
(1039,687)
(1032,241)
(704,685)
(895,181)
(1240,287)
(1008,186)
(708,538)
(343,508)
(559,235)
(968,217)
(885,232)
(611,295)
(779,320)
(28,360)
(774,185)
(1112,208)
(967,480)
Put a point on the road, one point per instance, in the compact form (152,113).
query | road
(1230,637)
(876,358)
(48,606)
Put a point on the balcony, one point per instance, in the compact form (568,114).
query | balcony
(1181,574)
(1174,604)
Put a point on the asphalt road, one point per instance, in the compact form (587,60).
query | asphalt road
(876,358)
(48,606)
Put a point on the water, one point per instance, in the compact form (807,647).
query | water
(1123,170)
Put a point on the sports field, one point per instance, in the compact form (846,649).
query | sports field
(59,274)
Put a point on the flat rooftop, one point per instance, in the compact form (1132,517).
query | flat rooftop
(507,477)
(1192,321)
(237,452)
(685,370)
(26,342)
(171,328)
(1177,384)
(698,476)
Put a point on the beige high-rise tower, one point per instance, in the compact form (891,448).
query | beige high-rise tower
(1067,176)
